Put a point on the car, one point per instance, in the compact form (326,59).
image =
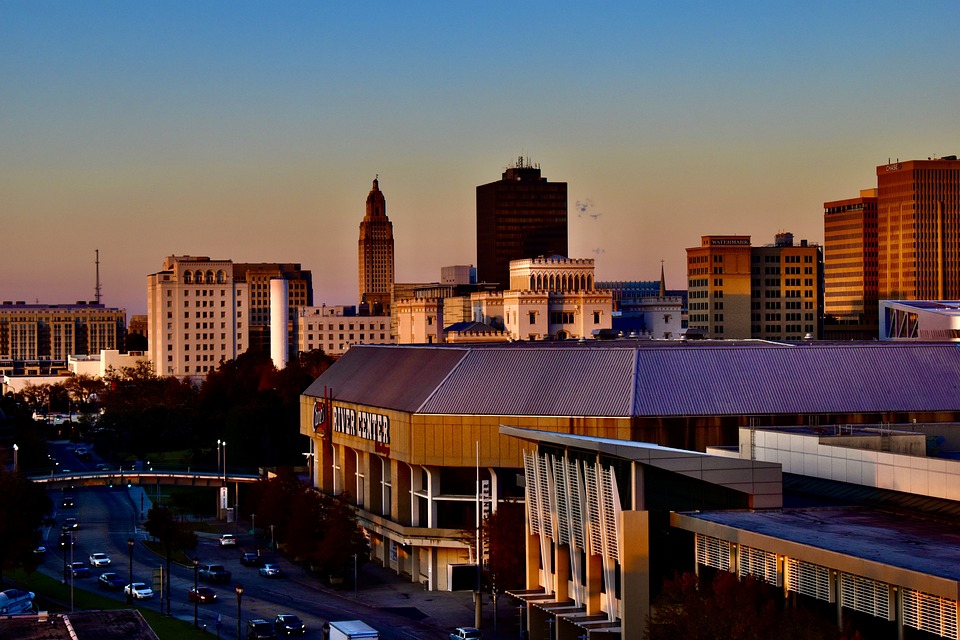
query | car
(66,538)
(228,540)
(260,629)
(79,570)
(138,590)
(465,633)
(270,571)
(110,581)
(40,550)
(70,524)
(250,560)
(68,502)
(104,467)
(203,595)
(213,573)
(99,560)
(288,624)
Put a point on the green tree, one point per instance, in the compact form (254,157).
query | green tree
(23,507)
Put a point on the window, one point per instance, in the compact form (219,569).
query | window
(532,315)
(596,317)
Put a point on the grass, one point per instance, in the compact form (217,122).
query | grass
(55,597)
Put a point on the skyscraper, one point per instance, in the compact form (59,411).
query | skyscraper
(918,229)
(376,253)
(520,216)
(850,267)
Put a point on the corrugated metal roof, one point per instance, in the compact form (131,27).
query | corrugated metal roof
(649,379)
(535,382)
(811,378)
(399,378)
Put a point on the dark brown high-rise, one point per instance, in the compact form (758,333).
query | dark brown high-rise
(522,215)
(376,254)
(850,267)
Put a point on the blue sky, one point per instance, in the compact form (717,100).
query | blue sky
(253,130)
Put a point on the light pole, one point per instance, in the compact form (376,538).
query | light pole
(196,596)
(130,544)
(219,443)
(272,544)
(72,573)
(224,463)
(253,524)
(239,590)
(15,450)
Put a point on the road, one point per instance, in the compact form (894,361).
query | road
(110,517)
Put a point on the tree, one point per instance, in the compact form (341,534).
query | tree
(728,608)
(503,531)
(162,525)
(23,507)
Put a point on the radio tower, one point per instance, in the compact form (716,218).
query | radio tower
(97,290)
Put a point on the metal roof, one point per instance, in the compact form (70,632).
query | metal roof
(644,378)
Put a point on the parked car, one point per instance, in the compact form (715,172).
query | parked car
(139,590)
(79,570)
(250,560)
(228,540)
(260,629)
(288,624)
(213,573)
(203,595)
(465,633)
(110,581)
(270,571)
(99,560)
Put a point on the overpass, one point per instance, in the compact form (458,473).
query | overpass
(147,477)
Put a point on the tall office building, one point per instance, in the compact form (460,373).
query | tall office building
(38,338)
(299,295)
(376,254)
(850,267)
(771,292)
(520,216)
(198,315)
(918,229)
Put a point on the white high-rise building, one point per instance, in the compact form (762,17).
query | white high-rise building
(198,316)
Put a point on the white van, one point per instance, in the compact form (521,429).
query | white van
(16,601)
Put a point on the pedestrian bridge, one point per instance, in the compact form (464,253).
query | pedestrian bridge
(184,477)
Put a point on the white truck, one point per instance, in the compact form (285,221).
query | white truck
(351,630)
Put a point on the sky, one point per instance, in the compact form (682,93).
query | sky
(252,131)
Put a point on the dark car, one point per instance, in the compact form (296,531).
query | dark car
(203,595)
(250,560)
(68,502)
(79,570)
(214,573)
(110,581)
(65,539)
(259,629)
(288,624)
(70,524)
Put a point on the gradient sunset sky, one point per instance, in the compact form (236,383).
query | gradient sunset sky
(252,130)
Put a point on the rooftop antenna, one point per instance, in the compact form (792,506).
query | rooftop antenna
(98,276)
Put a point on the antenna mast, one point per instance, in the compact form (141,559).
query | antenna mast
(97,290)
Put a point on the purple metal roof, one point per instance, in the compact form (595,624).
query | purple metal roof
(648,379)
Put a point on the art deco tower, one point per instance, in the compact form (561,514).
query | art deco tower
(376,252)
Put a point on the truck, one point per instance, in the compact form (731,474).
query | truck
(351,630)
(16,601)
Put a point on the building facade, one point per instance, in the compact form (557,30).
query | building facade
(198,315)
(522,215)
(334,329)
(38,338)
(258,277)
(771,292)
(918,229)
(850,267)
(376,268)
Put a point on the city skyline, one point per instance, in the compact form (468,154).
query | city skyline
(251,133)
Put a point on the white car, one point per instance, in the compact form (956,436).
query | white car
(270,571)
(227,539)
(99,560)
(139,590)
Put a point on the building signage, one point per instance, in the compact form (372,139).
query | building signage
(362,424)
(895,167)
(729,241)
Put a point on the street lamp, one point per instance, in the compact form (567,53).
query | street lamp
(239,590)
(15,450)
(219,443)
(224,463)
(253,524)
(196,596)
(130,544)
